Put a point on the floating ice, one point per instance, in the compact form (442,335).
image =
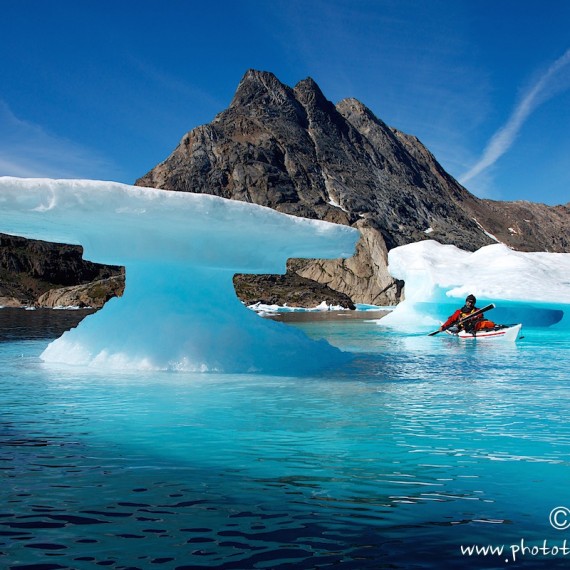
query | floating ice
(181,250)
(532,287)
(262,308)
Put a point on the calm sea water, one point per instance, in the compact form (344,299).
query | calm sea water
(421,447)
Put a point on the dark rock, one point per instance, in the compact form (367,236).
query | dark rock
(30,268)
(290,289)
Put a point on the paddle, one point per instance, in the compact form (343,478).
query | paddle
(475,314)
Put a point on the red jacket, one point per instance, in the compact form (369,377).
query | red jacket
(461,314)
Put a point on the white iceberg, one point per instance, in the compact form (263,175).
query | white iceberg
(181,250)
(534,286)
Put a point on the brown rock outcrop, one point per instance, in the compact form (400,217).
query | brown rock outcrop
(93,295)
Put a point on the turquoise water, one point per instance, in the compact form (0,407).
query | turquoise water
(420,446)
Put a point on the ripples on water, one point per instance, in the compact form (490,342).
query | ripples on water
(420,445)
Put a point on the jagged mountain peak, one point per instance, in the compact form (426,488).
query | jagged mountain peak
(259,75)
(293,150)
(308,87)
(309,94)
(259,86)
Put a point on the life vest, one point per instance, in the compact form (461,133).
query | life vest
(464,312)
(475,324)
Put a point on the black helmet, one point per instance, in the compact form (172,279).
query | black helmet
(471,298)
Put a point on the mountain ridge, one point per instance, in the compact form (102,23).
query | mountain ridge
(291,149)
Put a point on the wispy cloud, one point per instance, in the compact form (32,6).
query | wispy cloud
(554,80)
(28,150)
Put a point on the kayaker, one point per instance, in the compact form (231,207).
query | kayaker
(472,325)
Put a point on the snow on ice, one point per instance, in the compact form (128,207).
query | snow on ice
(525,286)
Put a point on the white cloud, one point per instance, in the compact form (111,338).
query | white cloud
(554,80)
(28,150)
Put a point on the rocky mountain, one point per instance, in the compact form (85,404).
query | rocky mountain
(293,150)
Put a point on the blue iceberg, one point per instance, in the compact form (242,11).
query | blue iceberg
(181,250)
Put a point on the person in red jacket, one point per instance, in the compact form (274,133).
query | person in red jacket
(472,325)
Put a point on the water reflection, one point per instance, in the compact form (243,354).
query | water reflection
(23,324)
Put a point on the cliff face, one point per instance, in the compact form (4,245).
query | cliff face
(293,150)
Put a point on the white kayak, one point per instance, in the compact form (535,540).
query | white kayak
(505,332)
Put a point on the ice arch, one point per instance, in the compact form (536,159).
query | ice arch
(181,250)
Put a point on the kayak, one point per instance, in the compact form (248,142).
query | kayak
(505,332)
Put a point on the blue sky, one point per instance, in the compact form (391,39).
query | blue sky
(105,89)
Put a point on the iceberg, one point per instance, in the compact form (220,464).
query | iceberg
(533,287)
(181,250)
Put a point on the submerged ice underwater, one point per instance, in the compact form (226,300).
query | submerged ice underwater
(400,456)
